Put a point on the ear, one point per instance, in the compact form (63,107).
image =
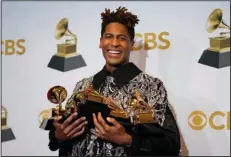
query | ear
(132,45)
(100,43)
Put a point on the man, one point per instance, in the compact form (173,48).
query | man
(119,79)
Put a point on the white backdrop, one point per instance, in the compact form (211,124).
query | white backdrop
(191,86)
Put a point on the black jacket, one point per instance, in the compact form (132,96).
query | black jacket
(147,139)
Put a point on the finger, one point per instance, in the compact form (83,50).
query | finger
(77,129)
(97,131)
(69,119)
(114,122)
(101,136)
(98,134)
(74,125)
(79,133)
(102,122)
(56,123)
(97,125)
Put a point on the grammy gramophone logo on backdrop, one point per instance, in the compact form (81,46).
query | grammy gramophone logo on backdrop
(66,58)
(218,54)
(7,133)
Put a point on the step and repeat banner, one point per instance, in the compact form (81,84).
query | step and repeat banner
(185,44)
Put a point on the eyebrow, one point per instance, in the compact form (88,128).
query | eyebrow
(116,35)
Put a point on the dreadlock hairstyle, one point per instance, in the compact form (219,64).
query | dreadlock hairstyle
(121,16)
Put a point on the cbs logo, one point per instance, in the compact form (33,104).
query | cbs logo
(152,41)
(197,120)
(10,47)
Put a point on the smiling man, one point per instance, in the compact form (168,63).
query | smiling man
(119,79)
(116,44)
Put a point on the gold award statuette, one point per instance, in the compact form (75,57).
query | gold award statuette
(55,95)
(138,110)
(66,58)
(7,133)
(91,94)
(218,54)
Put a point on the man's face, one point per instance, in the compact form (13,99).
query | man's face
(116,44)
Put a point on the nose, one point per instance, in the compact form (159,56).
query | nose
(115,42)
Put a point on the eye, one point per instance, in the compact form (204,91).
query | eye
(108,36)
(122,38)
(197,120)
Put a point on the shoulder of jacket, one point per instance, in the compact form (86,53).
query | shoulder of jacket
(83,83)
(151,79)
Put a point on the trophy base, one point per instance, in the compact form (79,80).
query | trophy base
(47,124)
(215,59)
(66,64)
(7,135)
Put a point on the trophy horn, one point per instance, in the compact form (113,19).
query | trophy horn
(215,21)
(62,30)
(57,94)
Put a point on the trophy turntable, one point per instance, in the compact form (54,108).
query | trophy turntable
(66,58)
(218,55)
(89,101)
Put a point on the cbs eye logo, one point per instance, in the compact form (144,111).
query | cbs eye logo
(198,120)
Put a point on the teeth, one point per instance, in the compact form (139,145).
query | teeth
(114,52)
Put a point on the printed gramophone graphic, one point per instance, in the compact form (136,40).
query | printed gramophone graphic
(90,101)
(218,54)
(7,133)
(66,58)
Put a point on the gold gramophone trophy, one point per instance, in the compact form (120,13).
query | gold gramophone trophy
(7,133)
(89,101)
(66,58)
(57,95)
(138,110)
(218,54)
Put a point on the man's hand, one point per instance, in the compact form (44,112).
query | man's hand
(69,129)
(115,133)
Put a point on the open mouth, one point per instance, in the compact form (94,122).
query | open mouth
(114,53)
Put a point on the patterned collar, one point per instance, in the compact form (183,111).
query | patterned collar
(122,75)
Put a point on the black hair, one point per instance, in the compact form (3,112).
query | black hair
(121,15)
